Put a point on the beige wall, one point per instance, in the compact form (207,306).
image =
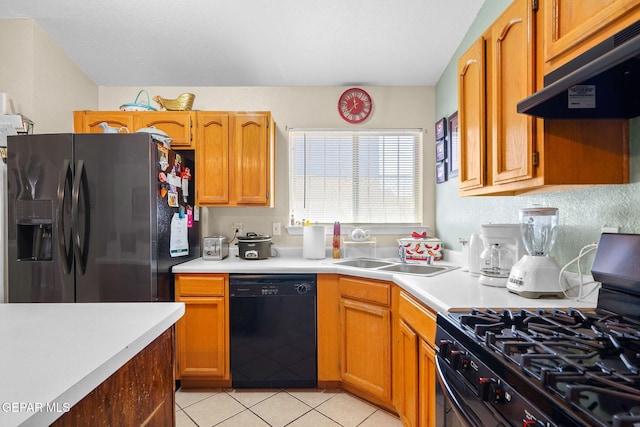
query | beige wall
(298,107)
(44,84)
(40,80)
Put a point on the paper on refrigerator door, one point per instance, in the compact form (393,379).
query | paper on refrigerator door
(179,242)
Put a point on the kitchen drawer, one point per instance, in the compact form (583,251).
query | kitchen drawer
(200,285)
(366,290)
(422,320)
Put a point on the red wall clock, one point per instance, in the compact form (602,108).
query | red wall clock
(354,105)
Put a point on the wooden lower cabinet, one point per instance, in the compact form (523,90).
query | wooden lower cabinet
(139,393)
(202,334)
(328,330)
(414,362)
(374,340)
(365,342)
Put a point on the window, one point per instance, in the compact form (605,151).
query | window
(366,177)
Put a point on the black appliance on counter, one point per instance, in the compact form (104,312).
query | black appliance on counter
(551,367)
(273,330)
(97,217)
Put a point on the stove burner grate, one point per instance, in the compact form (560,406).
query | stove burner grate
(590,361)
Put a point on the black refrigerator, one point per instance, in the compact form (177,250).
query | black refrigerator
(97,217)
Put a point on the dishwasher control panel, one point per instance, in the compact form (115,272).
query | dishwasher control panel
(245,285)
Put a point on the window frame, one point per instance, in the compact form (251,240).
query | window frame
(417,135)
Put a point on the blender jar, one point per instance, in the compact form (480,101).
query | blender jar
(539,229)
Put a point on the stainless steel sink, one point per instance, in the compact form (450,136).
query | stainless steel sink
(364,263)
(422,270)
(396,267)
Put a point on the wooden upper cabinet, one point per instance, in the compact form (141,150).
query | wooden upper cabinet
(251,151)
(472,116)
(235,158)
(571,27)
(177,124)
(512,75)
(212,158)
(503,152)
(89,121)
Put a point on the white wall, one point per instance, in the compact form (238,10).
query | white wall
(42,83)
(299,107)
(40,80)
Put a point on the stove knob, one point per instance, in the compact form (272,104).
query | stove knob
(489,390)
(445,347)
(459,360)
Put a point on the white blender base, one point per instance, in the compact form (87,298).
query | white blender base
(535,277)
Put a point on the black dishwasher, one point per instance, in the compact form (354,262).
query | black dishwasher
(273,330)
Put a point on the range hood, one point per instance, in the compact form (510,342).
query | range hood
(602,83)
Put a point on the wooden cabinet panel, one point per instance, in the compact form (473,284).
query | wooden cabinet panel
(414,362)
(516,153)
(88,121)
(472,116)
(427,384)
(202,334)
(366,290)
(251,151)
(420,318)
(512,75)
(236,150)
(366,342)
(572,27)
(407,396)
(212,158)
(328,300)
(140,393)
(177,124)
(202,285)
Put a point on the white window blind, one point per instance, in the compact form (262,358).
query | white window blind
(366,177)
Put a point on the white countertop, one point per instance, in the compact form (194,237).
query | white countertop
(53,355)
(451,291)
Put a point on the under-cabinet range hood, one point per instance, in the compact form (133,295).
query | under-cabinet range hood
(602,83)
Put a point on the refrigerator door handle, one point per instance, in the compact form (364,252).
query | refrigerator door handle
(66,254)
(80,249)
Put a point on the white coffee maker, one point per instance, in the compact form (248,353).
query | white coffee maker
(503,247)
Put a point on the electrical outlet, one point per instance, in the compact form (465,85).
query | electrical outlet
(610,229)
(276,228)
(236,226)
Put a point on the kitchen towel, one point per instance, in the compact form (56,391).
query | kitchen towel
(313,242)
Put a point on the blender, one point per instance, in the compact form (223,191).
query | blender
(537,274)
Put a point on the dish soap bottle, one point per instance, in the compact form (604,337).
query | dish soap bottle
(336,240)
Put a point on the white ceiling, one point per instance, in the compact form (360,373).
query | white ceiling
(254,42)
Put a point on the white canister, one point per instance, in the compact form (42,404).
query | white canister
(476,247)
(313,242)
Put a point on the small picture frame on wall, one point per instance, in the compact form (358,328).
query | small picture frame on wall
(454,145)
(441,128)
(441,150)
(441,172)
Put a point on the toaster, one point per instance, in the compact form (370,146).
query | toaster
(215,248)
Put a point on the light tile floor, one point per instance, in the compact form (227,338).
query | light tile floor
(277,408)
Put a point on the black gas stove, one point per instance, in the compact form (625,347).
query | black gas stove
(551,367)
